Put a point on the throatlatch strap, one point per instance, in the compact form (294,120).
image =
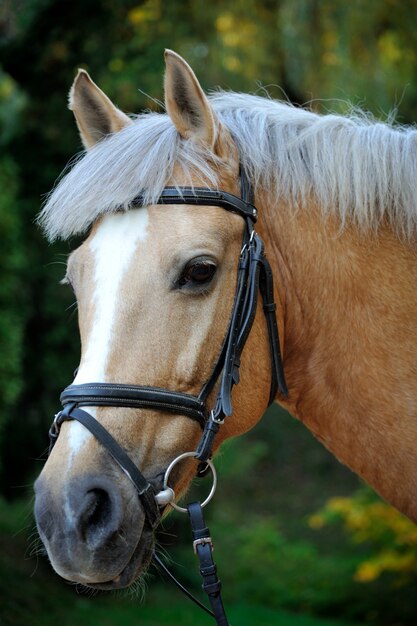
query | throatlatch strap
(266,286)
(203,547)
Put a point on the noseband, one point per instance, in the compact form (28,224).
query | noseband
(254,276)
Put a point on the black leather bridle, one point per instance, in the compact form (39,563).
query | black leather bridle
(254,276)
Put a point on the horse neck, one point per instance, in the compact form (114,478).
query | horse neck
(350,343)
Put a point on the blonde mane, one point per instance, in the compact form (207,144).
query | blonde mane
(356,168)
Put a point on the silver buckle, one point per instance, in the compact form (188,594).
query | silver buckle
(214,419)
(249,243)
(202,542)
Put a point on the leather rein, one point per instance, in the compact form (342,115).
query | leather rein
(254,276)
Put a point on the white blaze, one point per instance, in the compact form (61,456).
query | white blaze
(112,246)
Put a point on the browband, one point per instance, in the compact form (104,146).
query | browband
(201,196)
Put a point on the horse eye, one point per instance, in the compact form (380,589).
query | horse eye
(197,273)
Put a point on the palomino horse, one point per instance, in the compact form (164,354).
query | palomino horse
(156,285)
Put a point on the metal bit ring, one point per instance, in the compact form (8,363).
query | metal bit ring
(169,470)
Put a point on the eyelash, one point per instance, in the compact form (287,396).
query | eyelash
(207,272)
(183,282)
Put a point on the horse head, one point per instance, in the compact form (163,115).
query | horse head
(155,287)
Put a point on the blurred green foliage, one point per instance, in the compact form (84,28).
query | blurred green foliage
(389,537)
(270,550)
(323,51)
(11,287)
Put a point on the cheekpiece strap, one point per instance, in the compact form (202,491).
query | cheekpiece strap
(254,276)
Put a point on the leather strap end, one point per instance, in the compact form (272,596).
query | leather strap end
(205,446)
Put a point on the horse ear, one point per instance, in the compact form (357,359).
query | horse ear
(186,103)
(95,114)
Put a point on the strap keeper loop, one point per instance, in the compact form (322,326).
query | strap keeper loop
(212,589)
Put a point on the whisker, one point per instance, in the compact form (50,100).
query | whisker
(71,306)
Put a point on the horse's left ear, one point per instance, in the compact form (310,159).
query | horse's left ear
(187,104)
(95,113)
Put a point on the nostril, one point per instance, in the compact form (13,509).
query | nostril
(99,517)
(97,512)
(90,528)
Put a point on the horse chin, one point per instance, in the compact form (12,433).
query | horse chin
(137,565)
